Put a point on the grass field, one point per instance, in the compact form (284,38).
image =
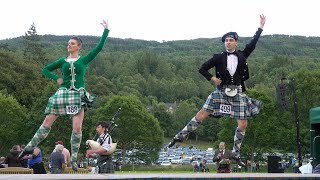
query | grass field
(199,144)
(178,169)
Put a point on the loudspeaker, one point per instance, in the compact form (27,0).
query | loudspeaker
(281,90)
(274,164)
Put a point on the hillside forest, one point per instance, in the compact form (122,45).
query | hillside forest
(158,88)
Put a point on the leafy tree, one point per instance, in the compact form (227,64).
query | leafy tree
(262,131)
(137,129)
(33,48)
(102,85)
(209,129)
(13,116)
(307,92)
(165,72)
(21,78)
(184,113)
(165,118)
(147,62)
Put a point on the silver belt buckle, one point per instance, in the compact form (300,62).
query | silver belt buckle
(231,90)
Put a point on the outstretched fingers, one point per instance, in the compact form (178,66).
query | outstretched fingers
(262,20)
(105,23)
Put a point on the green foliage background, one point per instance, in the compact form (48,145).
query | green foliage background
(150,74)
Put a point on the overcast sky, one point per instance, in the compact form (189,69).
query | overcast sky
(159,19)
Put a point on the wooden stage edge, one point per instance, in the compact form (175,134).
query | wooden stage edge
(162,176)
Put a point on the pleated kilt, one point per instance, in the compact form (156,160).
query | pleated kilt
(106,167)
(238,107)
(68,102)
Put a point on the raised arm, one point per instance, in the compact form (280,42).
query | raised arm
(252,45)
(94,52)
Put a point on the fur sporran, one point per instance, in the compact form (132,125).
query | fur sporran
(88,99)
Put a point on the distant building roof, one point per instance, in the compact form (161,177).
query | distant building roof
(171,107)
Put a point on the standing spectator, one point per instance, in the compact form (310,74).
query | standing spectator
(258,166)
(295,165)
(12,158)
(118,164)
(66,153)
(248,166)
(57,161)
(222,157)
(253,166)
(196,167)
(35,161)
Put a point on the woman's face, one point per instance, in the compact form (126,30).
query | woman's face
(73,46)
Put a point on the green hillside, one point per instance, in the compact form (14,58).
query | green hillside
(158,73)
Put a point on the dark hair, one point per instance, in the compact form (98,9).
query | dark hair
(103,124)
(16,148)
(79,41)
(233,35)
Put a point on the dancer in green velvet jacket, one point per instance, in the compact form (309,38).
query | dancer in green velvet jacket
(71,97)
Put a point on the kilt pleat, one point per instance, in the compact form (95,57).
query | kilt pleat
(63,97)
(106,167)
(242,106)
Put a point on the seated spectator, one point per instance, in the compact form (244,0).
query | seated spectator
(57,161)
(2,159)
(12,158)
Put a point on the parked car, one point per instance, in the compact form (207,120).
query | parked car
(159,161)
(171,157)
(186,161)
(165,163)
(176,160)
(210,161)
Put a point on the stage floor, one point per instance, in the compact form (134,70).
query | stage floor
(162,176)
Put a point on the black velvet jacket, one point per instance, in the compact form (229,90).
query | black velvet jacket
(219,61)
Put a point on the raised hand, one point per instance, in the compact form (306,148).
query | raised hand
(262,20)
(104,24)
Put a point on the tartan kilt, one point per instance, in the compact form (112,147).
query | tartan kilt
(242,106)
(106,167)
(63,97)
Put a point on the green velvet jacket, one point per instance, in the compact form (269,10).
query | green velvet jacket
(73,73)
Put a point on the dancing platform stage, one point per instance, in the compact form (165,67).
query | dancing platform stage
(232,176)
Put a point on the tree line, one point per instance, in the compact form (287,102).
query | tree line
(136,74)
